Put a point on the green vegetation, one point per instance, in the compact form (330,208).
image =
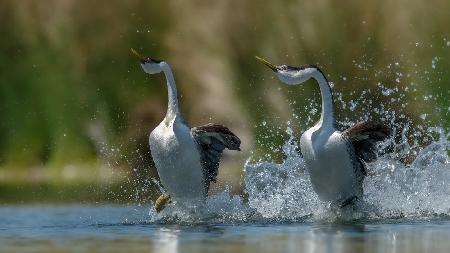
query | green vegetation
(72,94)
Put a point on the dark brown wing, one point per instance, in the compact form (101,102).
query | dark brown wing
(212,139)
(363,137)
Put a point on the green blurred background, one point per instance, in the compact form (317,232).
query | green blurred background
(77,109)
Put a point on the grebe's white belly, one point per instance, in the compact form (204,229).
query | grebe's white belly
(177,160)
(331,170)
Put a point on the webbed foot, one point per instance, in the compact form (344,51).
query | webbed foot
(161,202)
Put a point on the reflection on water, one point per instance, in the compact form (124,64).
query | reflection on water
(167,241)
(126,229)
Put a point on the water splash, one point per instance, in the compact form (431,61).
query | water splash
(397,185)
(282,192)
(391,189)
(419,189)
(219,208)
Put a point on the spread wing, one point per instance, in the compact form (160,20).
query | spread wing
(212,139)
(363,137)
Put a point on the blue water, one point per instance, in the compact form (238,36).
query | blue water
(74,228)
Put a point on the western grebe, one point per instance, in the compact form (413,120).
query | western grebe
(336,160)
(187,159)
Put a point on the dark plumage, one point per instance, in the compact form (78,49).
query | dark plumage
(212,139)
(363,137)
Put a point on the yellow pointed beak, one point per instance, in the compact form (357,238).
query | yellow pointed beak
(138,55)
(267,63)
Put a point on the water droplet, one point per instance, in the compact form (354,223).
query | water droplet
(387,91)
(434,61)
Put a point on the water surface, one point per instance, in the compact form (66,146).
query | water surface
(128,229)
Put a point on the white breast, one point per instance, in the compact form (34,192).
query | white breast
(177,160)
(330,167)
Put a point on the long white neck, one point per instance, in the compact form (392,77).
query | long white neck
(327,119)
(172,107)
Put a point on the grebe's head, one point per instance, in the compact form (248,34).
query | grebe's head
(149,65)
(291,75)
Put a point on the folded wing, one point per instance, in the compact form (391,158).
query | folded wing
(212,139)
(363,137)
